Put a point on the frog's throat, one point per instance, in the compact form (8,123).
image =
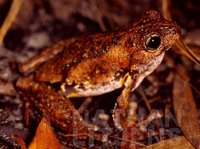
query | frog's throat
(148,69)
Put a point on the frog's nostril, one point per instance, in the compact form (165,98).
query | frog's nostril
(176,29)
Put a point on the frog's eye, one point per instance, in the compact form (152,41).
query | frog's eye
(153,42)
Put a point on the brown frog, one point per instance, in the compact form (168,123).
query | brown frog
(94,65)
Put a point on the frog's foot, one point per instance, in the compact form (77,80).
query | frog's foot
(125,118)
(119,117)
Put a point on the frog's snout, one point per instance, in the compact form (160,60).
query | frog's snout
(175,30)
(173,33)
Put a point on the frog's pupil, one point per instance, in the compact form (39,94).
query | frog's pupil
(153,42)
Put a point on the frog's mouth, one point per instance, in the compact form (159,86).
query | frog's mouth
(74,91)
(69,91)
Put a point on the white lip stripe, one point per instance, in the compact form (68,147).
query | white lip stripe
(100,90)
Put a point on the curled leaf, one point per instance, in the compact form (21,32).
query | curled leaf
(185,108)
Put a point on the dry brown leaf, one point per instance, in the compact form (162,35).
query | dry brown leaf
(185,50)
(44,137)
(185,108)
(173,143)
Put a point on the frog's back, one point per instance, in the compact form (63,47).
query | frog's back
(91,53)
(106,57)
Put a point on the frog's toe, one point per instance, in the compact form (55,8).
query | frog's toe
(124,118)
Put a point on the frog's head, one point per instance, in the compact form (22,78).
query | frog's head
(152,36)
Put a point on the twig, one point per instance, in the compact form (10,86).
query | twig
(184,49)
(187,51)
(14,9)
(142,93)
(129,141)
(165,10)
(84,105)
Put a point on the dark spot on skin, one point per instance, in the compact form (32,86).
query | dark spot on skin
(85,49)
(67,66)
(66,52)
(97,42)
(117,29)
(133,72)
(130,43)
(141,30)
(105,47)
(81,86)
(96,53)
(116,40)
(141,23)
(93,49)
(172,30)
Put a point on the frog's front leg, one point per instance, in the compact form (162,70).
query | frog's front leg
(120,112)
(55,106)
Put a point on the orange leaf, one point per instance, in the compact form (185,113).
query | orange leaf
(44,137)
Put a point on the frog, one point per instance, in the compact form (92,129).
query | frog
(92,65)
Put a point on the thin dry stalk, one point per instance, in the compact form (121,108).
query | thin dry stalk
(10,18)
(184,49)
